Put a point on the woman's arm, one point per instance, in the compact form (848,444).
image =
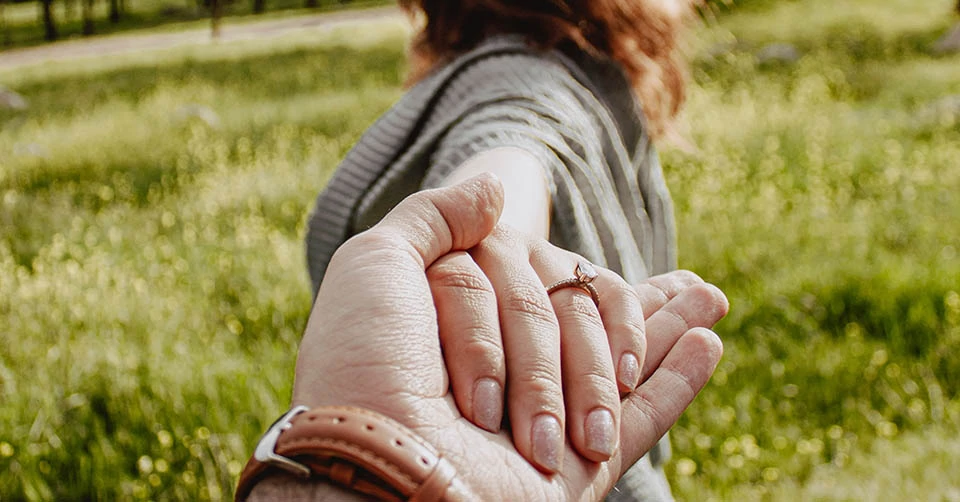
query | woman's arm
(525,185)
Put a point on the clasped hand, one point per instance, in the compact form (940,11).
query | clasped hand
(409,325)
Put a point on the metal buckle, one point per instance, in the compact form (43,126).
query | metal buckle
(265,451)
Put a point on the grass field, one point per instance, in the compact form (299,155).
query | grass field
(21,24)
(153,286)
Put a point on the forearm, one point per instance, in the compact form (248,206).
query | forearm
(526,188)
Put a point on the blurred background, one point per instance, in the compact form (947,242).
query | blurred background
(154,186)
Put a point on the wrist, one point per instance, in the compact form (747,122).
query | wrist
(283,486)
(363,451)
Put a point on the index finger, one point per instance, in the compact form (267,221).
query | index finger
(657,404)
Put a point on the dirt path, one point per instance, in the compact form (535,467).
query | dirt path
(121,44)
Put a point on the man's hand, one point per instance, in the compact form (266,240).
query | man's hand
(372,342)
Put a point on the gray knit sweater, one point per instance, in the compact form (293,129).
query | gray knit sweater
(577,115)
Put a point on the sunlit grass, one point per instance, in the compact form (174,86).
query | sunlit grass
(822,197)
(22,25)
(153,285)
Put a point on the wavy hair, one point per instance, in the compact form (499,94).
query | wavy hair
(641,35)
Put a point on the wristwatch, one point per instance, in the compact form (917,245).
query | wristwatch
(351,447)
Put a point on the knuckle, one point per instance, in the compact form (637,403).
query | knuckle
(527,302)
(503,237)
(709,298)
(575,306)
(386,245)
(424,205)
(685,385)
(673,283)
(619,290)
(506,234)
(485,354)
(679,317)
(629,327)
(700,303)
(540,378)
(542,252)
(458,276)
(652,412)
(685,277)
(421,198)
(603,386)
(375,239)
(597,377)
(501,246)
(653,293)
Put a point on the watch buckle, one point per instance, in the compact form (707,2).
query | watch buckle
(266,448)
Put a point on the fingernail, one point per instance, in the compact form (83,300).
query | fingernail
(629,371)
(601,438)
(488,404)
(547,442)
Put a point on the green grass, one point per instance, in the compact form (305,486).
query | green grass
(22,26)
(823,198)
(153,287)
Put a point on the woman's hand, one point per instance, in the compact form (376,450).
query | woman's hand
(563,360)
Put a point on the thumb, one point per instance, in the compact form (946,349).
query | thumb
(374,318)
(658,403)
(436,222)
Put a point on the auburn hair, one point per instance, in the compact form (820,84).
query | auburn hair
(641,35)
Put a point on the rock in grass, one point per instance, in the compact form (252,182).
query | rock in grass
(11,100)
(949,43)
(194,111)
(778,53)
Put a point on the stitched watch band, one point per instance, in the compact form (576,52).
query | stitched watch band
(352,447)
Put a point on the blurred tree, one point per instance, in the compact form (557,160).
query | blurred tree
(3,23)
(115,11)
(310,4)
(259,6)
(88,26)
(49,23)
(216,13)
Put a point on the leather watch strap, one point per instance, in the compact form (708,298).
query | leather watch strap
(351,447)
